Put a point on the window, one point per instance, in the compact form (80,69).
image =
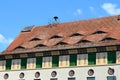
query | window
(8,64)
(35,39)
(90,78)
(31,63)
(111,57)
(108,39)
(2,64)
(47,62)
(55,36)
(84,41)
(23,63)
(111,78)
(91,58)
(53,79)
(20,48)
(73,60)
(61,43)
(15,64)
(55,61)
(76,34)
(71,79)
(99,32)
(38,62)
(40,45)
(64,61)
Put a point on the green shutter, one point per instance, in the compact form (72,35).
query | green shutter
(39,62)
(111,57)
(55,61)
(8,64)
(23,63)
(73,60)
(91,58)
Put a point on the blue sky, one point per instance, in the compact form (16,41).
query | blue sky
(16,14)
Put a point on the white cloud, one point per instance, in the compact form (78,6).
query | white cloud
(4,40)
(111,8)
(91,8)
(78,12)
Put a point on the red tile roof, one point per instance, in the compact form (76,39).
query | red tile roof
(96,31)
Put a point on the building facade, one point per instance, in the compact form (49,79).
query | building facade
(80,50)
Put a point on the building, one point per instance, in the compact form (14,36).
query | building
(79,50)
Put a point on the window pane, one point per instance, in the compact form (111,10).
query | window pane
(90,78)
(55,61)
(53,79)
(8,64)
(39,62)
(71,78)
(73,60)
(111,78)
(23,63)
(111,57)
(92,59)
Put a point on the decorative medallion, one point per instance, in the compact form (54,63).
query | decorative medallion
(71,73)
(54,73)
(110,71)
(6,76)
(37,74)
(90,72)
(21,75)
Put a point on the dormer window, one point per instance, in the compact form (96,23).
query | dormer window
(55,36)
(108,39)
(19,48)
(40,45)
(99,32)
(35,39)
(76,34)
(61,43)
(84,41)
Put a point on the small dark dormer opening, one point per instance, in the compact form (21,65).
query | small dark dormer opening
(76,34)
(108,39)
(35,39)
(19,48)
(40,45)
(84,41)
(55,36)
(99,32)
(61,43)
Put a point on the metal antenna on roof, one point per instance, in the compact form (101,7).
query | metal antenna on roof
(118,17)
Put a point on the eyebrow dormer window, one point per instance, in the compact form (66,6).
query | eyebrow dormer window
(76,34)
(40,45)
(61,43)
(19,48)
(108,39)
(35,39)
(99,32)
(55,36)
(84,41)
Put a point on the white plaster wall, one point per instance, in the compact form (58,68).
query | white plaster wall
(100,73)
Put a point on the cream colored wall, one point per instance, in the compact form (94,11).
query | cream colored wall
(2,65)
(82,59)
(31,63)
(101,58)
(16,64)
(64,61)
(47,62)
